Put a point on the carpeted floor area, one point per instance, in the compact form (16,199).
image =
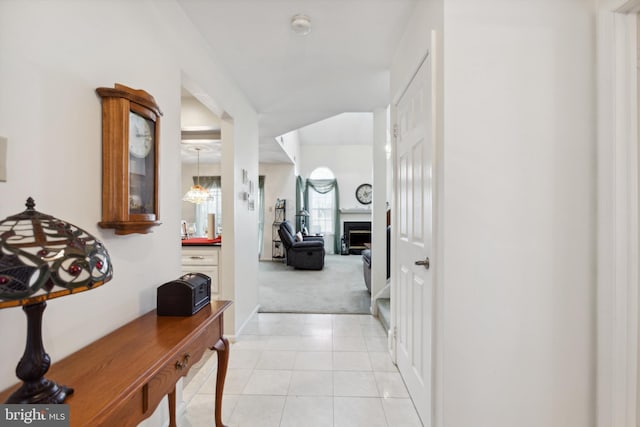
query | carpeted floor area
(337,288)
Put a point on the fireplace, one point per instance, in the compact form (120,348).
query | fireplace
(356,235)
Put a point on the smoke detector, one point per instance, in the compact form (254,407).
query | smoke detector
(301,24)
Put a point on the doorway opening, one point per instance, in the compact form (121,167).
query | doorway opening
(317,188)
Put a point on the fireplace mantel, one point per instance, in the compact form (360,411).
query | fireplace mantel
(366,211)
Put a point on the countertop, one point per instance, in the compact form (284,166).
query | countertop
(202,241)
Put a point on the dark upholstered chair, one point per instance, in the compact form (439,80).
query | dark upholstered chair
(366,261)
(305,237)
(307,254)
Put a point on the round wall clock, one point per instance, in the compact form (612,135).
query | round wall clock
(364,194)
(140,136)
(130,131)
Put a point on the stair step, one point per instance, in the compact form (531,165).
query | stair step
(384,312)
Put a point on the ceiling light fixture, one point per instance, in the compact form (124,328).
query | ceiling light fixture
(301,24)
(197,193)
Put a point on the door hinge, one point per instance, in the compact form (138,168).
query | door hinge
(395,332)
(395,131)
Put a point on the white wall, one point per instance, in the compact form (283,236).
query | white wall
(54,55)
(240,229)
(290,143)
(279,183)
(351,164)
(55,153)
(194,115)
(517,186)
(379,204)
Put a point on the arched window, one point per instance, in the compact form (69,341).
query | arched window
(322,173)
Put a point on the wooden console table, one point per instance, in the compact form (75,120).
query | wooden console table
(120,379)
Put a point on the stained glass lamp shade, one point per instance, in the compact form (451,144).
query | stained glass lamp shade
(42,258)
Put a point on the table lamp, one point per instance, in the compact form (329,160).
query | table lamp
(303,215)
(41,258)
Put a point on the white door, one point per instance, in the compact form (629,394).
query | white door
(412,291)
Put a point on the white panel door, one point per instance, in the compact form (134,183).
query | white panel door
(413,288)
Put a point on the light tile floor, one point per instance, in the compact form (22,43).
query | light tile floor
(304,370)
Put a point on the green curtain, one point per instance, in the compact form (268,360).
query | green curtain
(208,182)
(299,200)
(260,214)
(323,186)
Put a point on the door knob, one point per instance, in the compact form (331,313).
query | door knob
(424,262)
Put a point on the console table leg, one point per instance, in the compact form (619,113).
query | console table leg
(172,407)
(222,348)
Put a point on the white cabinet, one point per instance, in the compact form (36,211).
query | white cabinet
(205,260)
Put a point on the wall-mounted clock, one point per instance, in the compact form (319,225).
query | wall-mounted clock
(364,194)
(130,138)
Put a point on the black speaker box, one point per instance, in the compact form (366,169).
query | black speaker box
(184,296)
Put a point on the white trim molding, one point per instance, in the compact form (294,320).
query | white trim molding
(617,295)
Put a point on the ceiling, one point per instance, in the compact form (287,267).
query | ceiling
(200,131)
(292,80)
(343,129)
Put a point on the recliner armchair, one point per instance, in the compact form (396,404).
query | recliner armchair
(307,254)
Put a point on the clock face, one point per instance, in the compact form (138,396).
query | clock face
(140,136)
(364,193)
(141,164)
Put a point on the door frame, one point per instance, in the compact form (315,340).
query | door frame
(617,257)
(437,261)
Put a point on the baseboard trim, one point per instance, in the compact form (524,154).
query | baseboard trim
(232,338)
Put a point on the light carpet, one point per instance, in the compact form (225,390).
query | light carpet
(337,288)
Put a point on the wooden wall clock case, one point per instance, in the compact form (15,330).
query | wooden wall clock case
(130,141)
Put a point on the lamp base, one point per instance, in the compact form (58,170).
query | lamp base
(40,392)
(34,365)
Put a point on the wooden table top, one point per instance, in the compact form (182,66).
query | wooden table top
(117,364)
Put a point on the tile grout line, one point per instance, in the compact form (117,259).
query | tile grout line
(368,335)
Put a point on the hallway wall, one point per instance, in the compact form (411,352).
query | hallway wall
(54,56)
(516,276)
